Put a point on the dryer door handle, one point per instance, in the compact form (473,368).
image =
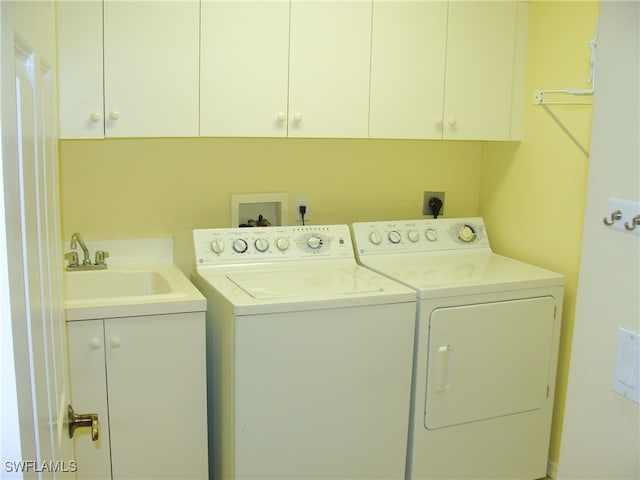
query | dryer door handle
(443,368)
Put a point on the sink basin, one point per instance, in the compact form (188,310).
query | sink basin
(100,284)
(141,280)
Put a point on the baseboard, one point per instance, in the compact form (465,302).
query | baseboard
(552,469)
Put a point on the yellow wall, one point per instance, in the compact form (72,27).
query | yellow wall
(143,188)
(532,193)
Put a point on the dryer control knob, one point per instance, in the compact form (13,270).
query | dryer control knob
(413,235)
(394,236)
(262,244)
(240,245)
(467,233)
(314,242)
(217,246)
(432,234)
(282,243)
(375,238)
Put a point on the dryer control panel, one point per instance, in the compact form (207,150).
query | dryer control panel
(414,236)
(271,244)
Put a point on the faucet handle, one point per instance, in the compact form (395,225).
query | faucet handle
(100,256)
(72,257)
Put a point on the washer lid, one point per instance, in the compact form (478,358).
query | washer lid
(302,283)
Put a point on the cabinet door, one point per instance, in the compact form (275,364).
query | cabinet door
(80,94)
(407,68)
(151,51)
(243,70)
(481,56)
(157,396)
(329,68)
(89,395)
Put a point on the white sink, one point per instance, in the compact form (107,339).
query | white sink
(84,285)
(129,290)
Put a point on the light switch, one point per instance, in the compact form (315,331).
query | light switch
(626,378)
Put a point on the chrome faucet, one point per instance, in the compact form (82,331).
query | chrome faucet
(72,256)
(75,239)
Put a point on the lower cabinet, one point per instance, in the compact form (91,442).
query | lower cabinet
(145,377)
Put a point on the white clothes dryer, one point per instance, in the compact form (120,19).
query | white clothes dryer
(309,356)
(486,348)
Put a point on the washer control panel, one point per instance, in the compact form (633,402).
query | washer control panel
(264,244)
(420,235)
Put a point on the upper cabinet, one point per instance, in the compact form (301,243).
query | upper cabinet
(484,82)
(329,68)
(407,69)
(80,74)
(425,69)
(452,70)
(149,86)
(280,68)
(244,67)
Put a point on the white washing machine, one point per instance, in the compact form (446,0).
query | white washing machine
(309,356)
(486,348)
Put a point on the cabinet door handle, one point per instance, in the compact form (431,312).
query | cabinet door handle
(115,342)
(94,344)
(84,420)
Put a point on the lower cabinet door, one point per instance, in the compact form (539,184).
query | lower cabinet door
(85,340)
(157,396)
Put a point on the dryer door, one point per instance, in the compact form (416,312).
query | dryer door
(488,360)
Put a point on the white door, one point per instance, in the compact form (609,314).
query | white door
(596,419)
(34,354)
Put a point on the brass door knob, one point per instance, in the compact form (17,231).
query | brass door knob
(85,420)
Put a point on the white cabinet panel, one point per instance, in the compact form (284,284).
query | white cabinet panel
(145,377)
(157,396)
(407,68)
(243,69)
(330,43)
(451,70)
(483,41)
(85,342)
(128,68)
(151,59)
(80,74)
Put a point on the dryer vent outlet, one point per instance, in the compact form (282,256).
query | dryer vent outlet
(428,204)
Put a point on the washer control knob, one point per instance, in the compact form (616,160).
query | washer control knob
(413,235)
(262,244)
(282,243)
(240,245)
(432,234)
(394,236)
(467,233)
(375,238)
(314,242)
(217,246)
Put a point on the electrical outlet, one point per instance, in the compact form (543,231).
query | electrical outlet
(426,210)
(300,200)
